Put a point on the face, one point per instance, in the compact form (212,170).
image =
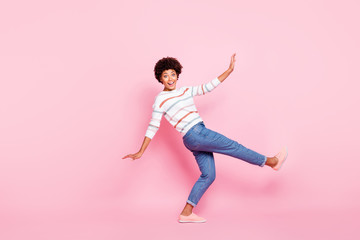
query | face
(169,79)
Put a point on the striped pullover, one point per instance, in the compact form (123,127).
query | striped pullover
(178,107)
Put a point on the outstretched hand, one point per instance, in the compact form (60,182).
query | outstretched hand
(232,63)
(133,156)
(223,76)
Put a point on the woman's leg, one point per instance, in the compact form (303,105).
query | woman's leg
(202,142)
(206,163)
(211,141)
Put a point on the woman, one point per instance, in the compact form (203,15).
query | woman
(177,105)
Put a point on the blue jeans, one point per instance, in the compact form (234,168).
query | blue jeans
(203,142)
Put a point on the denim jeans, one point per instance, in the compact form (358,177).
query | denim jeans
(203,142)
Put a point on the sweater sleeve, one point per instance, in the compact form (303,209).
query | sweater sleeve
(154,124)
(205,88)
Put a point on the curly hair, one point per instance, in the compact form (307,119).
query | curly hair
(165,64)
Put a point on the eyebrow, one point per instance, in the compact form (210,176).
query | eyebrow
(171,72)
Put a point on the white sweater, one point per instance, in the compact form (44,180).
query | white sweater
(178,107)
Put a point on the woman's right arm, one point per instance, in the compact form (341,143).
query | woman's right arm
(141,151)
(150,132)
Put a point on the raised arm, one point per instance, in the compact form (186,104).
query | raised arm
(208,87)
(223,76)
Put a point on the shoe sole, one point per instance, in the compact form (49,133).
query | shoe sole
(184,221)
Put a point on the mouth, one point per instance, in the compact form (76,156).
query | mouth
(171,83)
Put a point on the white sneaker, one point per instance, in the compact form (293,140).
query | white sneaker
(282,155)
(192,218)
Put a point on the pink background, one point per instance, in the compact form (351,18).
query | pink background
(77,86)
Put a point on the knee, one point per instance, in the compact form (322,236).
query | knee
(211,177)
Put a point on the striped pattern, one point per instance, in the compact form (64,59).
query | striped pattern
(184,117)
(173,97)
(178,107)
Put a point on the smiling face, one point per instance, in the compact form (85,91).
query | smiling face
(169,79)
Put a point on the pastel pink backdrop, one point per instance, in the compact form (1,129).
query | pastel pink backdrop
(77,86)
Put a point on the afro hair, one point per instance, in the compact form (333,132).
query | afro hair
(165,64)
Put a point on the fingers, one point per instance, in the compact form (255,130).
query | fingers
(132,156)
(129,156)
(233,58)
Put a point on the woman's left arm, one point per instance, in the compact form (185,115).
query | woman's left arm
(223,76)
(208,87)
